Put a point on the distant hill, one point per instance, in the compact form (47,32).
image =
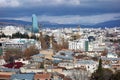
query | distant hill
(46,24)
(113,23)
(15,22)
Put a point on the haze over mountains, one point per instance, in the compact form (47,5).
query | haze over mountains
(46,24)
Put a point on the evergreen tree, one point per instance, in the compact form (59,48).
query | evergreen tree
(33,36)
(98,74)
(100,70)
(2,35)
(20,35)
(42,65)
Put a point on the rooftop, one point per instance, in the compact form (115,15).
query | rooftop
(86,62)
(15,65)
(42,76)
(29,76)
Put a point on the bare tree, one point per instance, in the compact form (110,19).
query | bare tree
(57,47)
(12,52)
(43,42)
(32,50)
(104,53)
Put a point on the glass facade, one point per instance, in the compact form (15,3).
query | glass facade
(35,28)
(86,45)
(1,51)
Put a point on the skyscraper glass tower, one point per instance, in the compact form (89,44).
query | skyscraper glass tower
(35,28)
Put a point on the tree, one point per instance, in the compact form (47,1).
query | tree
(42,65)
(17,35)
(64,44)
(104,53)
(98,74)
(75,36)
(3,35)
(43,42)
(34,37)
(100,70)
(107,73)
(25,35)
(12,52)
(115,76)
(47,41)
(57,47)
(32,50)
(20,35)
(11,59)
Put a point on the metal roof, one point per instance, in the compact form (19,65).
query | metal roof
(29,76)
(86,62)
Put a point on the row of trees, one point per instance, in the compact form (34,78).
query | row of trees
(32,50)
(46,41)
(49,41)
(25,35)
(57,47)
(11,54)
(3,35)
(14,53)
(20,35)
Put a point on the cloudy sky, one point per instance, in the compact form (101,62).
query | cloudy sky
(61,11)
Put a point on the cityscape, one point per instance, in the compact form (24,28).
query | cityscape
(59,40)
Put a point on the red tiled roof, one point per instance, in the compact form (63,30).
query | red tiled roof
(4,76)
(66,78)
(42,76)
(16,65)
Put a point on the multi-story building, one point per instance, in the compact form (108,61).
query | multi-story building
(81,44)
(35,28)
(18,43)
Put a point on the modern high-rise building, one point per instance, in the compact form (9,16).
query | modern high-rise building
(35,28)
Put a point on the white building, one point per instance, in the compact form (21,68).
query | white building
(18,43)
(67,65)
(89,65)
(23,61)
(112,55)
(2,62)
(78,44)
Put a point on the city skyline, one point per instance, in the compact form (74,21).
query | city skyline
(61,11)
(59,40)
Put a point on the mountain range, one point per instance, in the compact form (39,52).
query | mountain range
(46,24)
